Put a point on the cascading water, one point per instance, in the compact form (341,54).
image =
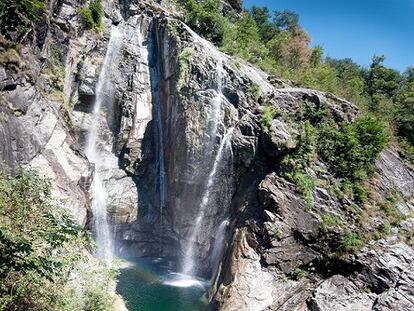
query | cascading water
(159,132)
(188,262)
(218,247)
(188,265)
(98,193)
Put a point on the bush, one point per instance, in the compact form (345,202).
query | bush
(352,149)
(405,121)
(92,15)
(97,300)
(40,247)
(205,18)
(305,152)
(268,114)
(408,150)
(298,274)
(294,164)
(330,221)
(351,242)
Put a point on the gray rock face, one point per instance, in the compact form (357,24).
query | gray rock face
(394,174)
(279,138)
(35,133)
(339,293)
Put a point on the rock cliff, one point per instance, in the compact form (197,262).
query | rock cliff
(180,137)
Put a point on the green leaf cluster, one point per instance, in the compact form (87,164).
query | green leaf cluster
(205,18)
(352,149)
(92,15)
(41,249)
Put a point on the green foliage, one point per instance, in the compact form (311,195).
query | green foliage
(286,20)
(390,209)
(316,56)
(92,15)
(329,222)
(40,246)
(382,81)
(17,16)
(97,300)
(405,119)
(305,185)
(205,18)
(350,243)
(278,44)
(184,63)
(305,152)
(255,90)
(297,274)
(352,149)
(268,114)
(261,16)
(408,150)
(242,38)
(295,164)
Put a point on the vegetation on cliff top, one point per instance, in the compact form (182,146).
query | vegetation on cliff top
(92,15)
(44,262)
(278,44)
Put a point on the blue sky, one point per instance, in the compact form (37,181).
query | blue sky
(356,28)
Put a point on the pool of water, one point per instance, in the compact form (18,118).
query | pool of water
(150,285)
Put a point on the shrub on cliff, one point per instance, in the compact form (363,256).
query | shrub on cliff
(43,252)
(92,15)
(352,149)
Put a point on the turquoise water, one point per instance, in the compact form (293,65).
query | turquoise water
(148,285)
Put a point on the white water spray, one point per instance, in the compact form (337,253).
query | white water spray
(218,248)
(99,195)
(189,254)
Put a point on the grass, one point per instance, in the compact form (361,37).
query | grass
(184,65)
(297,274)
(329,222)
(306,185)
(255,90)
(269,113)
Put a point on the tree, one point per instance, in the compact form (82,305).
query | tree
(244,39)
(205,18)
(279,46)
(287,20)
(299,50)
(405,114)
(351,78)
(316,56)
(261,16)
(382,82)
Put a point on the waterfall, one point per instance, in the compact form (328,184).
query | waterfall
(215,116)
(103,93)
(161,164)
(218,248)
(154,76)
(188,265)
